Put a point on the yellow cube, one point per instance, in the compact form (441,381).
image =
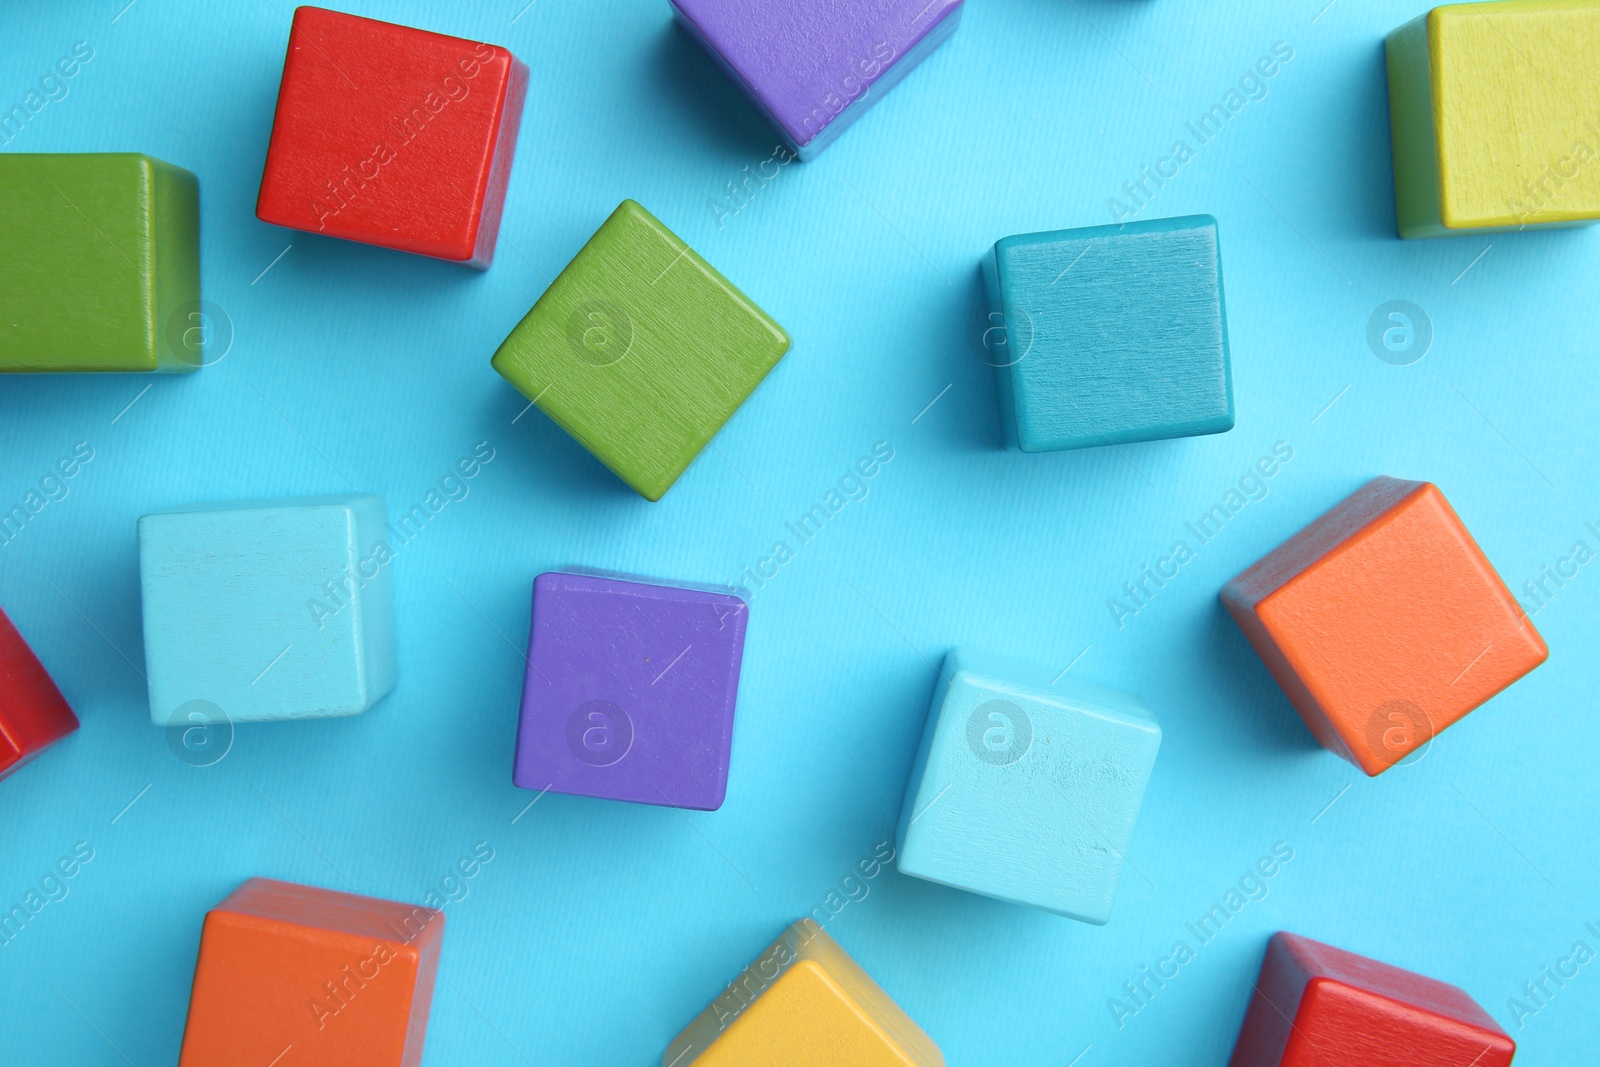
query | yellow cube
(1495,116)
(803,1002)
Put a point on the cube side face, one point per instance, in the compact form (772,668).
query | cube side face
(1386,980)
(181,324)
(1343,1025)
(630,691)
(33,713)
(1401,629)
(262,984)
(372,597)
(641,350)
(1412,131)
(514,95)
(997,337)
(257,614)
(1029,795)
(1127,334)
(78,285)
(1516,107)
(389,135)
(813,69)
(1274,1003)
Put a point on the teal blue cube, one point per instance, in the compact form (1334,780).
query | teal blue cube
(1112,334)
(1027,791)
(267,610)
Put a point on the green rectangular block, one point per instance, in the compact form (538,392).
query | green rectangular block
(101,270)
(641,350)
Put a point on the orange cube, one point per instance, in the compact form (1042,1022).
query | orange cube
(312,978)
(1384,622)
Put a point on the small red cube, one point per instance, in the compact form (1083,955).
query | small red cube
(1318,1006)
(393,136)
(33,714)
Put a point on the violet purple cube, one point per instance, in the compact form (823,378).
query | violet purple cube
(813,66)
(630,690)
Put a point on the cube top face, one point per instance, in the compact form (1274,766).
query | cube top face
(33,714)
(1117,334)
(630,691)
(392,136)
(345,980)
(809,65)
(1386,621)
(267,610)
(102,263)
(1318,1006)
(641,350)
(1025,791)
(803,1000)
(1517,112)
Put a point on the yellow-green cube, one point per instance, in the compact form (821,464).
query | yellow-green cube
(101,263)
(641,350)
(1495,116)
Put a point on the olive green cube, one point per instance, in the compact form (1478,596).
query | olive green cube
(641,350)
(101,263)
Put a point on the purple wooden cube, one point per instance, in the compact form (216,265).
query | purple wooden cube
(813,66)
(630,691)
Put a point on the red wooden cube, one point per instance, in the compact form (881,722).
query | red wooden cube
(33,714)
(341,980)
(1318,1006)
(393,136)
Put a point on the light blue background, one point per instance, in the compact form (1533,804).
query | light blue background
(600,929)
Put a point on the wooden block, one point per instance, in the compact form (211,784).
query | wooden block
(101,270)
(1384,622)
(630,691)
(641,350)
(267,610)
(1111,334)
(1026,791)
(1318,1006)
(33,713)
(813,68)
(311,977)
(1495,117)
(393,136)
(804,1001)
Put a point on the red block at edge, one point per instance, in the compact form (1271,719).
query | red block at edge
(1319,1006)
(33,714)
(393,136)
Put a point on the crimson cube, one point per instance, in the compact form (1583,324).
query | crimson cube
(1319,1006)
(393,136)
(33,714)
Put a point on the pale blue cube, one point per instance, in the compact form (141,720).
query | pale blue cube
(267,610)
(1027,791)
